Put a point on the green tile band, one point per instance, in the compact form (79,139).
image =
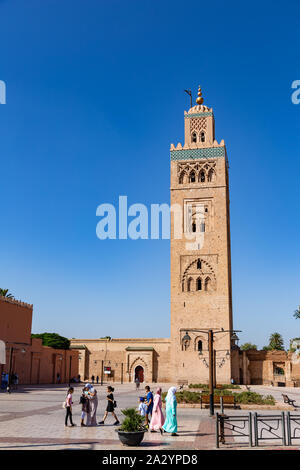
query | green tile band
(208,114)
(194,154)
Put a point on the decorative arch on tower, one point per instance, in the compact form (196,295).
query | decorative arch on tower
(203,277)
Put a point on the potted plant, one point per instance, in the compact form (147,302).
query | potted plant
(131,432)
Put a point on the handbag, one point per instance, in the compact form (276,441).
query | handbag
(115,404)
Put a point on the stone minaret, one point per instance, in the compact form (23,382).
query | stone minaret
(200,260)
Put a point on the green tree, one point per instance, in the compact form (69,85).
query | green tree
(297,313)
(5,293)
(53,340)
(247,346)
(275,343)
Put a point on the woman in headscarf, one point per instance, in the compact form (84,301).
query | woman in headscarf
(93,402)
(171,412)
(157,419)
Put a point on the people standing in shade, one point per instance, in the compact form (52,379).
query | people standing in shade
(157,419)
(149,403)
(93,379)
(171,412)
(93,404)
(68,406)
(111,404)
(97,379)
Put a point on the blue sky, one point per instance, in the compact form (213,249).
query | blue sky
(94,99)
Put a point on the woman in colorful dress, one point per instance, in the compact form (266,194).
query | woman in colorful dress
(171,412)
(157,419)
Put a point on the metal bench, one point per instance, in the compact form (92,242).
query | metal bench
(288,400)
(182,383)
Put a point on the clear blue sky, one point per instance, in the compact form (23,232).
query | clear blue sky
(94,99)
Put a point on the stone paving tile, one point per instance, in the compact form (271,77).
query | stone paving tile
(34,419)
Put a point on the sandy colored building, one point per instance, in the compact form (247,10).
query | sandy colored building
(26,356)
(200,273)
(277,368)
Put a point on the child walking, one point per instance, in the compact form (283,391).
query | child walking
(110,406)
(142,406)
(84,401)
(69,404)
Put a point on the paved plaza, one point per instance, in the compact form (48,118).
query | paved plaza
(33,418)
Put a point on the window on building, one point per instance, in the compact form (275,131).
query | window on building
(207,285)
(181,177)
(278,370)
(194,227)
(194,137)
(189,284)
(202,227)
(199,264)
(192,177)
(211,176)
(199,284)
(202,176)
(199,345)
(202,137)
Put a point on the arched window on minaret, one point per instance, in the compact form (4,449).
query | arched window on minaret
(199,284)
(182,177)
(199,263)
(202,176)
(194,137)
(202,137)
(207,285)
(199,346)
(192,177)
(189,284)
(211,175)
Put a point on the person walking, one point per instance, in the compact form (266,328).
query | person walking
(68,406)
(93,405)
(111,405)
(149,403)
(157,419)
(170,424)
(137,383)
(84,401)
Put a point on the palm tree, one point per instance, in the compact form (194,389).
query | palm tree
(297,313)
(5,293)
(276,342)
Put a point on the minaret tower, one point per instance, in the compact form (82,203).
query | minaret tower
(201,295)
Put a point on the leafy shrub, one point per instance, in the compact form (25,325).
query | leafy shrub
(53,340)
(133,421)
(220,386)
(254,398)
(187,396)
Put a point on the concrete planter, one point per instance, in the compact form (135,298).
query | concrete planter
(131,438)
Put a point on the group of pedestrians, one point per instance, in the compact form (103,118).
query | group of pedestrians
(152,406)
(89,405)
(149,406)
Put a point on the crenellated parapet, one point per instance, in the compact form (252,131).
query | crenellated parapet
(16,302)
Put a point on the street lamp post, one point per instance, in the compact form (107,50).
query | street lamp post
(211,357)
(211,371)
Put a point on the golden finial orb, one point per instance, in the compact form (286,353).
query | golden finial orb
(199,100)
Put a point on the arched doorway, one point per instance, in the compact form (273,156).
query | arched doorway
(139,374)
